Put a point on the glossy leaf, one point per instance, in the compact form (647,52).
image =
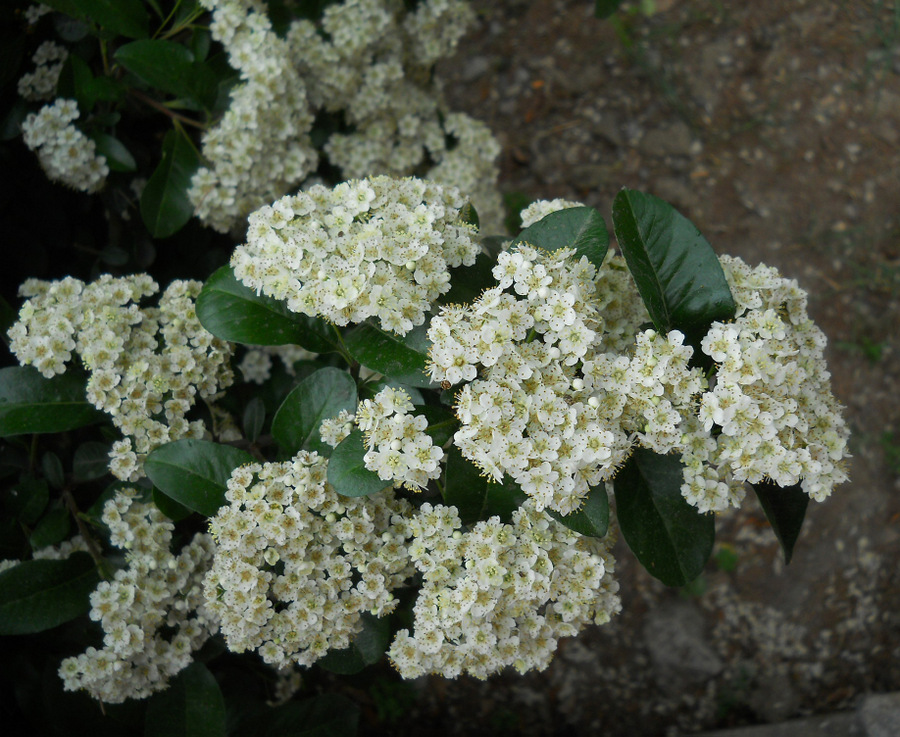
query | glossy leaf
(475,496)
(125,17)
(401,358)
(165,207)
(368,647)
(785,508)
(347,471)
(30,403)
(37,595)
(254,418)
(194,472)
(318,397)
(593,517)
(676,270)
(169,507)
(581,228)
(91,461)
(191,706)
(670,538)
(118,158)
(170,67)
(234,312)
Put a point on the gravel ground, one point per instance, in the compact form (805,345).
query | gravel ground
(775,127)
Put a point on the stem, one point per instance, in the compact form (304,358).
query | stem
(85,533)
(163,109)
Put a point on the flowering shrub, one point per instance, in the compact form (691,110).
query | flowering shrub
(459,427)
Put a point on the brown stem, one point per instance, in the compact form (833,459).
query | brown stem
(163,109)
(85,533)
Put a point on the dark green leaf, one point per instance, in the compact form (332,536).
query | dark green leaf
(581,228)
(593,517)
(785,508)
(165,206)
(91,461)
(605,8)
(29,403)
(468,282)
(76,82)
(254,418)
(402,358)
(37,595)
(476,496)
(124,17)
(670,538)
(192,706)
(347,471)
(118,158)
(53,469)
(318,397)
(51,530)
(27,499)
(170,67)
(200,43)
(169,507)
(194,472)
(676,271)
(234,312)
(367,647)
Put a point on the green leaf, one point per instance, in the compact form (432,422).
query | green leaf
(169,507)
(676,270)
(37,595)
(170,67)
(194,472)
(670,538)
(91,461)
(118,158)
(593,517)
(254,418)
(476,496)
(76,82)
(347,471)
(51,530)
(367,648)
(30,403)
(165,207)
(468,282)
(785,508)
(402,358)
(581,228)
(468,214)
(124,17)
(53,469)
(27,499)
(192,706)
(605,8)
(319,396)
(234,312)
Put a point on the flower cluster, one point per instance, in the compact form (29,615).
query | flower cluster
(376,247)
(41,83)
(65,153)
(261,147)
(500,594)
(528,415)
(296,565)
(397,447)
(34,12)
(152,612)
(148,365)
(771,413)
(256,365)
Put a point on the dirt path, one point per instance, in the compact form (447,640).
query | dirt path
(774,126)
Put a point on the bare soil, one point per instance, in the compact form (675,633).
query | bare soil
(775,127)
